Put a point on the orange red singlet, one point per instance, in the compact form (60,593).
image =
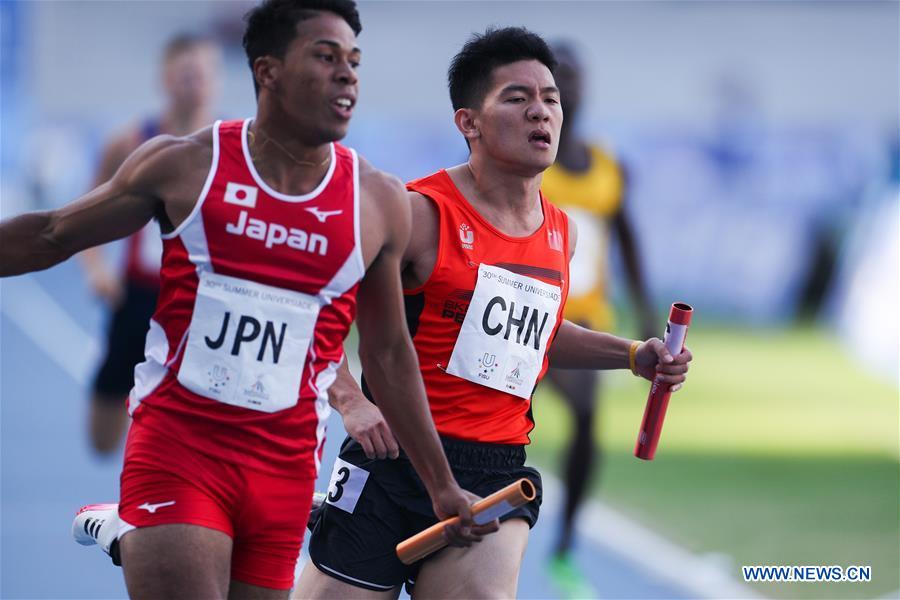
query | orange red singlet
(483,321)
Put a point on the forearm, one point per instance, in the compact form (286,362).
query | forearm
(392,373)
(576,347)
(344,390)
(27,243)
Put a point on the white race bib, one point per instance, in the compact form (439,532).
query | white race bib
(504,336)
(346,485)
(247,343)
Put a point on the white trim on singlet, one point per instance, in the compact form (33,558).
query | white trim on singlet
(356,210)
(151,372)
(323,381)
(354,267)
(275,193)
(205,191)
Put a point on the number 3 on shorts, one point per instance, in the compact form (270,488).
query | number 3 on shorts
(347,482)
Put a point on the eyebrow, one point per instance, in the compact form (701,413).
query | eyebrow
(551,89)
(335,45)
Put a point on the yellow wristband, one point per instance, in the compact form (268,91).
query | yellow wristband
(632,355)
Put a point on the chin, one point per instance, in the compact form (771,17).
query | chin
(548,162)
(322,135)
(334,133)
(539,165)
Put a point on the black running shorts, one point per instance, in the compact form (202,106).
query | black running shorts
(125,342)
(375,504)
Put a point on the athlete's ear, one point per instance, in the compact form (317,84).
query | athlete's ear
(467,123)
(266,71)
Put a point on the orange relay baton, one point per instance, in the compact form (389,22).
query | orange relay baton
(484,511)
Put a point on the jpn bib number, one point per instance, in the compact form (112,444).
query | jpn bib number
(247,343)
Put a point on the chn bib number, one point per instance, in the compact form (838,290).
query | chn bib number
(247,343)
(503,338)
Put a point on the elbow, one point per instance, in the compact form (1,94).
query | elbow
(31,243)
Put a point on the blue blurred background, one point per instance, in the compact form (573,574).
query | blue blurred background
(763,142)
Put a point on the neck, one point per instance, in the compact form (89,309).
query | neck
(502,188)
(509,201)
(281,157)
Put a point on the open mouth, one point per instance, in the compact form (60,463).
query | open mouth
(343,105)
(540,137)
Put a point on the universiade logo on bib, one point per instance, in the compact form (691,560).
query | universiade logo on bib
(487,364)
(514,379)
(219,377)
(256,393)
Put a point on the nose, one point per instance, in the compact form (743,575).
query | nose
(538,112)
(345,74)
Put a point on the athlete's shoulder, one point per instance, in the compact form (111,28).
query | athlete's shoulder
(437,182)
(379,185)
(197,146)
(167,157)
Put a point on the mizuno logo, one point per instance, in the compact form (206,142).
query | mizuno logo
(321,215)
(152,508)
(274,234)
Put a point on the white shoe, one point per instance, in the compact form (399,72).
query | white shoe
(98,524)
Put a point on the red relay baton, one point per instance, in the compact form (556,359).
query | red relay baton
(658,399)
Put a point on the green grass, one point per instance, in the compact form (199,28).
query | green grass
(780,450)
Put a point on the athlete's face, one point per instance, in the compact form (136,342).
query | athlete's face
(191,77)
(519,120)
(316,85)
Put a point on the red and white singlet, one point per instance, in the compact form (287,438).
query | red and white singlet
(143,253)
(143,248)
(258,293)
(483,322)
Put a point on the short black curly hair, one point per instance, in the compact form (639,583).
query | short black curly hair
(273,24)
(469,77)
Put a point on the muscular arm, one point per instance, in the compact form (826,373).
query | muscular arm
(576,347)
(119,207)
(386,351)
(420,254)
(389,359)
